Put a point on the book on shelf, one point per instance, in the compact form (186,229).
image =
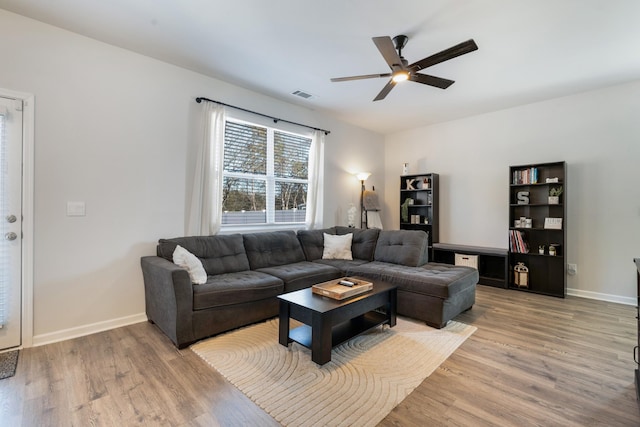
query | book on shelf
(518,242)
(525,176)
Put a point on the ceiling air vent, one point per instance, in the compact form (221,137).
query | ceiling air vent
(302,94)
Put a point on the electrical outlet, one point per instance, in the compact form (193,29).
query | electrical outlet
(572,269)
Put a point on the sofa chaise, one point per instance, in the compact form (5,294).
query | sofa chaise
(246,272)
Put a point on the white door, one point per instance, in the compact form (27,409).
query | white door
(10,222)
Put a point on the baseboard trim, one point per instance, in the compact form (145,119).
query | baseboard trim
(80,331)
(602,297)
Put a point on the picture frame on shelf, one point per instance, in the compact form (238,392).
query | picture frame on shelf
(553,223)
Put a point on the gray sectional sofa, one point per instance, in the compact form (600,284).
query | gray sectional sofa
(246,272)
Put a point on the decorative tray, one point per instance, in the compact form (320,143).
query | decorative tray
(333,288)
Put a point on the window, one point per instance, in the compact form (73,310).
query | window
(265,175)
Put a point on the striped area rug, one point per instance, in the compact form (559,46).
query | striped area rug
(366,378)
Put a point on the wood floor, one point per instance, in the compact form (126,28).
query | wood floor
(534,361)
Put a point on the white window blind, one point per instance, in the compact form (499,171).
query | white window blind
(265,175)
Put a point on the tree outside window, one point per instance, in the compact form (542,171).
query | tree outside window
(265,175)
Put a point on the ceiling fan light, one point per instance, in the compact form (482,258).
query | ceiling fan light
(400,76)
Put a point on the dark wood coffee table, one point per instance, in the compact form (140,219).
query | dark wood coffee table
(329,322)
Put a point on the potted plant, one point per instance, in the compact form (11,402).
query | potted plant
(554,195)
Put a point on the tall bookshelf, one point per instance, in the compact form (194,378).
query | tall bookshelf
(419,200)
(537,224)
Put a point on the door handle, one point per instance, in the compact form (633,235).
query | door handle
(11,218)
(11,236)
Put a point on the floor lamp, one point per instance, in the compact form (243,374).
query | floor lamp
(362,177)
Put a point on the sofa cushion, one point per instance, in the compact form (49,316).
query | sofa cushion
(312,242)
(364,241)
(341,264)
(235,288)
(191,263)
(272,248)
(219,254)
(337,247)
(405,247)
(433,279)
(300,275)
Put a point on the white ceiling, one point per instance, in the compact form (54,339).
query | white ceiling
(529,50)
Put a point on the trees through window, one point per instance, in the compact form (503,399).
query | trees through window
(265,175)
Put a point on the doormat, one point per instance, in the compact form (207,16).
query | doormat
(8,363)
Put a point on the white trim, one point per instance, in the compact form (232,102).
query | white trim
(80,331)
(28,213)
(258,228)
(603,297)
(268,178)
(28,144)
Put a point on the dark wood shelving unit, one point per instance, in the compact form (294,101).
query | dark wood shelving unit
(493,263)
(425,196)
(529,198)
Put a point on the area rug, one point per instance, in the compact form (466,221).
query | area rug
(365,379)
(8,363)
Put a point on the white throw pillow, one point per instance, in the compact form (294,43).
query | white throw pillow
(337,247)
(191,263)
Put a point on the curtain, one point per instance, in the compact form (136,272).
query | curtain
(205,216)
(315,190)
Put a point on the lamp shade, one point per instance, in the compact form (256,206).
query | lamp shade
(362,176)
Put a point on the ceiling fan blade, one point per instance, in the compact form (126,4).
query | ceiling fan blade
(445,55)
(385,90)
(365,76)
(388,51)
(431,80)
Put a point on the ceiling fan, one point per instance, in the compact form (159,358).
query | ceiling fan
(400,70)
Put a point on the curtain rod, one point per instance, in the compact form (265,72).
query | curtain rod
(275,119)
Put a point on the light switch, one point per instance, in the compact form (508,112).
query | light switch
(75,209)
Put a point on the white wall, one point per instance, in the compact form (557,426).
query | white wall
(117,130)
(597,133)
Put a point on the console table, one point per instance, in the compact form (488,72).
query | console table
(493,264)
